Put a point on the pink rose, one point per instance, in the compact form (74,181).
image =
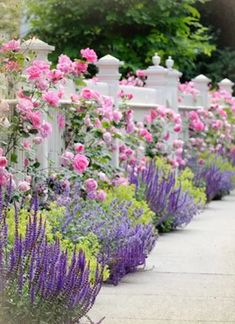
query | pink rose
(79,67)
(88,94)
(101,195)
(55,75)
(198,125)
(90,185)
(52,98)
(66,158)
(3,176)
(3,161)
(23,186)
(117,116)
(80,163)
(37,140)
(35,118)
(46,129)
(140,73)
(26,144)
(12,45)
(61,121)
(65,65)
(107,137)
(79,148)
(26,162)
(177,128)
(89,55)
(148,137)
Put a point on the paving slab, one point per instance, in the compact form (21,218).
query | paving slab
(189,277)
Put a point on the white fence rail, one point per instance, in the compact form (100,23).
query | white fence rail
(161,89)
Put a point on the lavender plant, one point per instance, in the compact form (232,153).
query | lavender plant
(172,206)
(124,244)
(39,283)
(218,182)
(217,174)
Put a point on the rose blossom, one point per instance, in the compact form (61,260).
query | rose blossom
(107,137)
(80,163)
(52,98)
(64,65)
(79,148)
(89,55)
(3,161)
(101,195)
(12,45)
(37,140)
(23,186)
(4,175)
(66,158)
(46,129)
(90,185)
(117,116)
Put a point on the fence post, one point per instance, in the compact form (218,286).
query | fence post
(172,83)
(41,51)
(201,83)
(109,73)
(226,85)
(156,79)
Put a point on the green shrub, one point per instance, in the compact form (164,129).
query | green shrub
(185,180)
(127,193)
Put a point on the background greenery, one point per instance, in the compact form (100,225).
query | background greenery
(130,30)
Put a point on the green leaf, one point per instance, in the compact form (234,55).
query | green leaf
(13,158)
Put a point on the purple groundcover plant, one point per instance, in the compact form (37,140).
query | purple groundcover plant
(38,281)
(123,246)
(173,207)
(218,182)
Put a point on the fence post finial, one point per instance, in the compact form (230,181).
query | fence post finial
(201,83)
(40,48)
(226,85)
(172,82)
(156,79)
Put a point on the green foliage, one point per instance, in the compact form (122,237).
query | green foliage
(130,30)
(217,67)
(23,216)
(222,163)
(55,216)
(127,193)
(10,17)
(185,180)
(163,165)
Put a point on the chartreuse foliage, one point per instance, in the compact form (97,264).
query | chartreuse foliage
(127,193)
(186,181)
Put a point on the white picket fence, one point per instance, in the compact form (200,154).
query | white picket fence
(161,89)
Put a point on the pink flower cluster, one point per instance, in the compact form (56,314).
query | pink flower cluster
(187,89)
(136,80)
(11,46)
(4,174)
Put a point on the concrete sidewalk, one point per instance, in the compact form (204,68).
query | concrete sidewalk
(190,276)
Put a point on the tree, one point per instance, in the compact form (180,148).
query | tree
(10,11)
(131,30)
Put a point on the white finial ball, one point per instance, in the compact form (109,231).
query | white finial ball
(169,62)
(156,59)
